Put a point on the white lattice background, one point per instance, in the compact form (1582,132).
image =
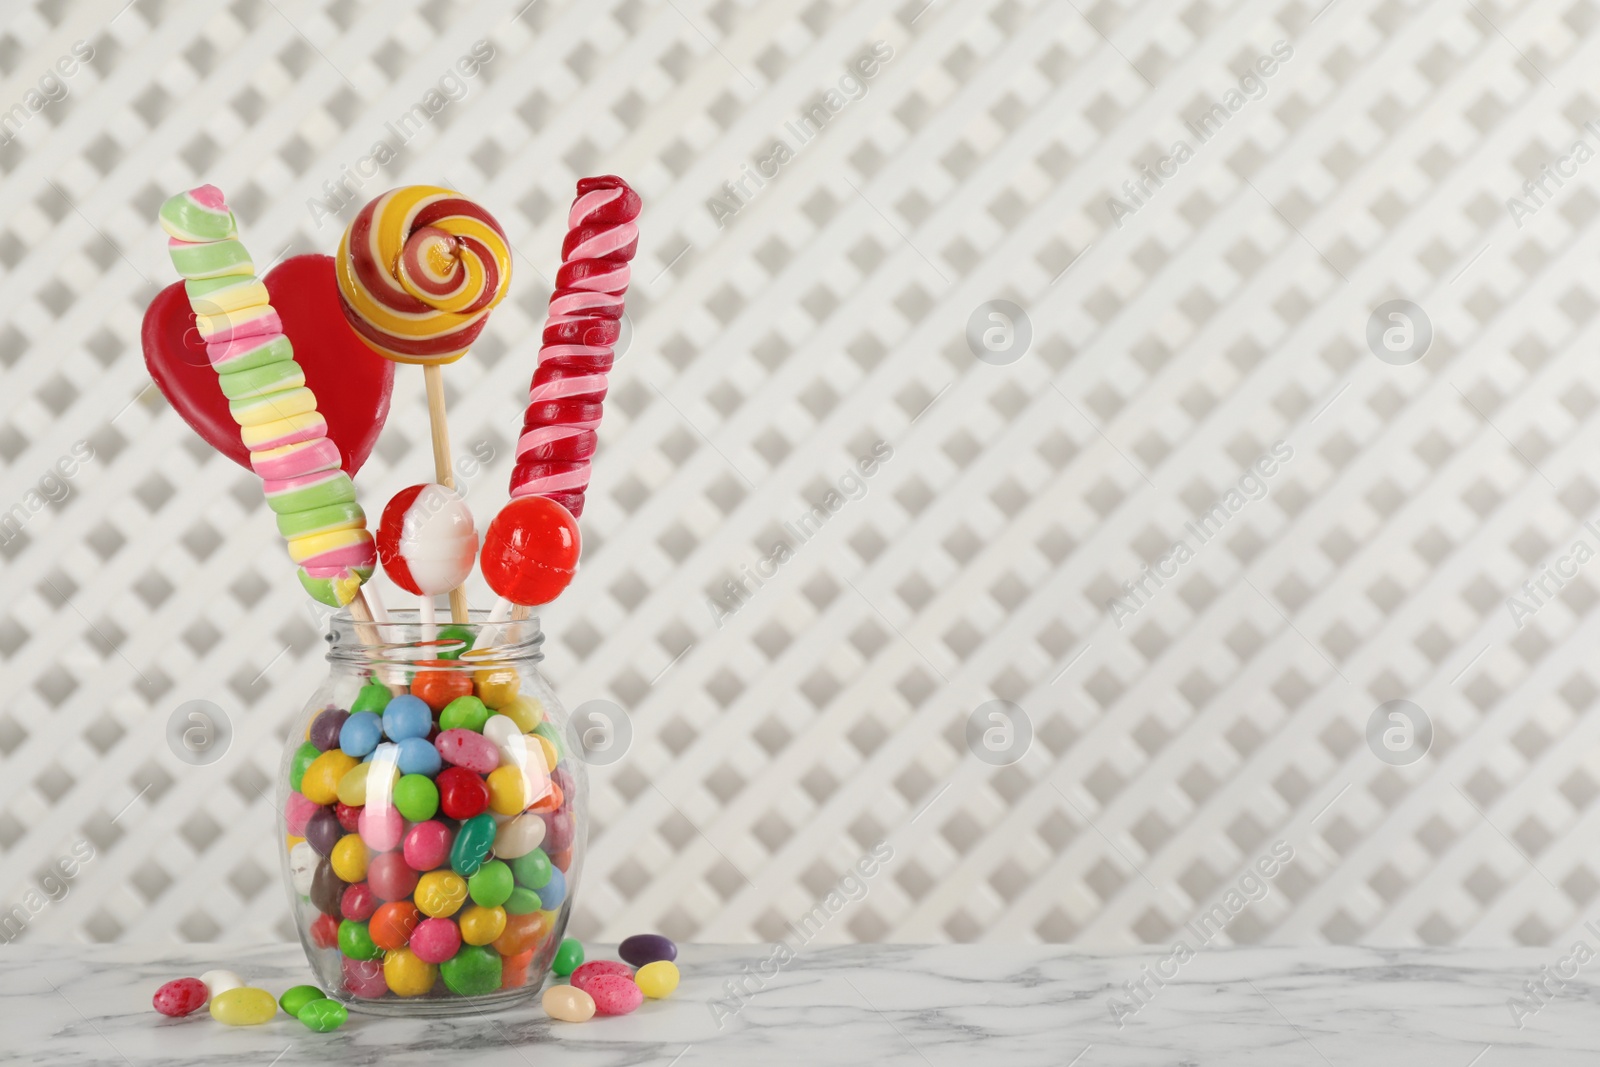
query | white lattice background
(829,313)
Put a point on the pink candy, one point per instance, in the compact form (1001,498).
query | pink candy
(428,845)
(435,940)
(364,978)
(297,811)
(613,994)
(468,750)
(599,969)
(381,831)
(180,996)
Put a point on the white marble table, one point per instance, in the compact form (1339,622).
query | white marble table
(997,1006)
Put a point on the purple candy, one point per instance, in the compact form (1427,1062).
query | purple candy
(326,726)
(327,889)
(641,949)
(323,831)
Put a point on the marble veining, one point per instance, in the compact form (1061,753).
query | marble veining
(861,1004)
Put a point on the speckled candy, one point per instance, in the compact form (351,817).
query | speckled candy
(467,749)
(472,972)
(641,949)
(588,972)
(179,997)
(613,994)
(244,1006)
(568,1004)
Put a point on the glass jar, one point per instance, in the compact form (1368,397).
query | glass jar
(432,814)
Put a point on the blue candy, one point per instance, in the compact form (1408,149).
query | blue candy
(555,890)
(360,733)
(418,757)
(407,716)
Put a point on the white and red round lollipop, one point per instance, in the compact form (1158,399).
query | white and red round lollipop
(427,541)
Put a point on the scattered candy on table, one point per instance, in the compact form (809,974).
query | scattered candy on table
(658,979)
(244,1006)
(322,1015)
(297,997)
(641,949)
(181,996)
(569,1004)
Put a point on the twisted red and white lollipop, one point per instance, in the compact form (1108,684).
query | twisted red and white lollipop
(569,386)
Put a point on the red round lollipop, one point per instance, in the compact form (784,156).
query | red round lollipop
(530,551)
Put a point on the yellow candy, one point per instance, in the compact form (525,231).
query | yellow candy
(508,791)
(524,711)
(656,980)
(549,749)
(349,859)
(497,686)
(321,782)
(353,786)
(290,841)
(406,974)
(243,1006)
(480,925)
(440,894)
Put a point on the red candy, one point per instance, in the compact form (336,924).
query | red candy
(389,876)
(179,997)
(530,551)
(436,940)
(613,994)
(462,794)
(358,902)
(349,818)
(325,931)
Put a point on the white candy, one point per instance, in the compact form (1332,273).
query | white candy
(518,836)
(438,540)
(219,982)
(302,866)
(503,731)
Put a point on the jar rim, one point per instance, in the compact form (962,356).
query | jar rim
(404,639)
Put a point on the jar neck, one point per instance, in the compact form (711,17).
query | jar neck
(405,639)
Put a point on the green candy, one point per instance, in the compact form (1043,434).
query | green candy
(472,972)
(322,1015)
(473,841)
(523,901)
(374,696)
(185,218)
(491,886)
(464,713)
(249,382)
(532,870)
(356,942)
(453,634)
(416,797)
(298,997)
(569,957)
(327,590)
(304,756)
(214,259)
(271,350)
(317,520)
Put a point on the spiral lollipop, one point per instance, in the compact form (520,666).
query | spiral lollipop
(300,467)
(419,270)
(584,321)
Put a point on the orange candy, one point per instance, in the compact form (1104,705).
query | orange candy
(549,802)
(438,688)
(523,933)
(514,970)
(561,860)
(391,925)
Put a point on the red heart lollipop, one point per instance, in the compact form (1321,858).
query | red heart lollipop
(351,382)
